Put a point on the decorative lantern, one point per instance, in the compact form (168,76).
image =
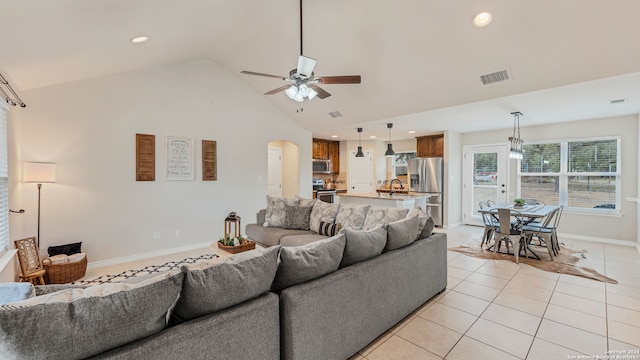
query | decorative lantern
(232,219)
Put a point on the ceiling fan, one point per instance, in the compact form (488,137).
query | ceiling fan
(302,83)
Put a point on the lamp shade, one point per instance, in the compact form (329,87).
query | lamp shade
(39,172)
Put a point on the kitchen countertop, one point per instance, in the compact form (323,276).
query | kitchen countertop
(395,196)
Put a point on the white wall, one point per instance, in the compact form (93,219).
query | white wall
(588,226)
(88,128)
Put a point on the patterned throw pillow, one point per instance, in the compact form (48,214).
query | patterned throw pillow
(378,215)
(329,228)
(275,214)
(322,211)
(297,217)
(351,216)
(304,201)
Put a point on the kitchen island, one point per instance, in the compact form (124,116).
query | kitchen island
(407,201)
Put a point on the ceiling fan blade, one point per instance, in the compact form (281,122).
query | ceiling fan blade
(275,91)
(261,74)
(347,79)
(322,93)
(305,66)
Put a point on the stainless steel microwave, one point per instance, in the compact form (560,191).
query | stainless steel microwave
(321,166)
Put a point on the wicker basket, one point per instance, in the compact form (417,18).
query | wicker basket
(65,272)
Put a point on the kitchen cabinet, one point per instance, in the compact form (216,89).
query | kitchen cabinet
(320,149)
(334,156)
(430,146)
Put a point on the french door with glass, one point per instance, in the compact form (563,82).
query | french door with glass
(485,177)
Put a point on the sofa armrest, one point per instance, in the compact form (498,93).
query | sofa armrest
(260,216)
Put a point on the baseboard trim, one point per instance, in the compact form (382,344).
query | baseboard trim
(137,257)
(598,239)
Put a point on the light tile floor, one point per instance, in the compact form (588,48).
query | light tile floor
(495,309)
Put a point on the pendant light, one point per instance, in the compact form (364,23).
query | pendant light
(516,142)
(389,152)
(359,153)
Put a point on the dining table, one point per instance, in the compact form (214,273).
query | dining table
(529,213)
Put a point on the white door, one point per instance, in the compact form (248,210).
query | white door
(485,177)
(360,172)
(274,172)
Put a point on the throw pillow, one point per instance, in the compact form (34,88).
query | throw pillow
(304,201)
(401,233)
(297,217)
(363,244)
(10,292)
(428,229)
(422,220)
(68,249)
(209,288)
(329,228)
(322,211)
(351,216)
(99,318)
(378,215)
(303,263)
(275,214)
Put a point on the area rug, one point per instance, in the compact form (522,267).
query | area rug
(147,270)
(568,261)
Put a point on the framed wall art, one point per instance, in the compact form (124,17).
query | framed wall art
(180,158)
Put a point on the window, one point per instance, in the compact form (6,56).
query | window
(579,174)
(400,162)
(4,183)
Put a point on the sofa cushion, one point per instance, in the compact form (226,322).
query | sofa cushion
(297,217)
(427,230)
(210,288)
(275,214)
(16,291)
(303,263)
(422,220)
(270,236)
(299,240)
(351,216)
(78,323)
(329,228)
(401,233)
(363,244)
(322,211)
(378,215)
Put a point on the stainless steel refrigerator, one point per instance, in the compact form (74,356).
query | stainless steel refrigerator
(426,176)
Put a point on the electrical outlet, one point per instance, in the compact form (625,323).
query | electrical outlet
(177,232)
(156,236)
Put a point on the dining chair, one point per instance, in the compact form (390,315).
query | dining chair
(29,259)
(490,225)
(543,231)
(554,227)
(508,230)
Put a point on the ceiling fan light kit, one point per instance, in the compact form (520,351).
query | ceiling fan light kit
(305,86)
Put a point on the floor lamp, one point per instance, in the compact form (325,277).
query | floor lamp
(39,172)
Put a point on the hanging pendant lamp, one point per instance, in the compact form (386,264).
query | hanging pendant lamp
(389,152)
(515,152)
(359,153)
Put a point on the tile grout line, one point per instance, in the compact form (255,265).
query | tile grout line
(535,336)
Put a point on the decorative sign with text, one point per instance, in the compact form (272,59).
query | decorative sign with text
(180,162)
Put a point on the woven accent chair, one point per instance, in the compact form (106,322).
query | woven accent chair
(30,264)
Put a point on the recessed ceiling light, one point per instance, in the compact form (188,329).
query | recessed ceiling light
(412,131)
(483,19)
(334,136)
(372,136)
(139,39)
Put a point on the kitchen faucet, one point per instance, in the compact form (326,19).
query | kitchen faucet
(391,185)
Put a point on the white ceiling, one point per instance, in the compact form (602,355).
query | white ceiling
(420,60)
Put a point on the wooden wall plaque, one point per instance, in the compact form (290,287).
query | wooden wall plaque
(209,161)
(145,157)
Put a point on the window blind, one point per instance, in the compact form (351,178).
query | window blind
(4,183)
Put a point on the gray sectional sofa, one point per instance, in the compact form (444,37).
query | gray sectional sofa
(327,299)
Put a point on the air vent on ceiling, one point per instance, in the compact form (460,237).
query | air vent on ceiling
(617,101)
(335,114)
(494,77)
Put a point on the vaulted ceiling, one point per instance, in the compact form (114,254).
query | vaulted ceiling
(420,60)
